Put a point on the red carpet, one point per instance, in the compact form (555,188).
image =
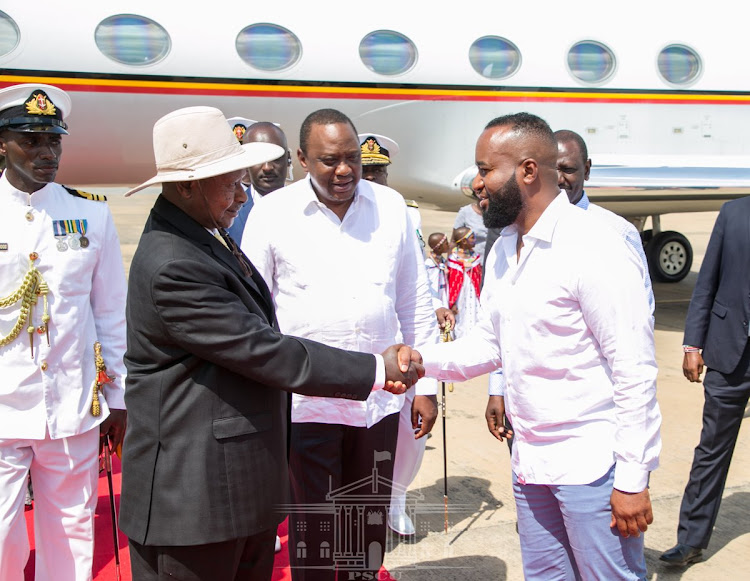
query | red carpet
(104,554)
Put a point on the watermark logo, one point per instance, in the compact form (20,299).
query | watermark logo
(347,532)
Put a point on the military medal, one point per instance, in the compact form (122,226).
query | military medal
(65,232)
(82,227)
(61,234)
(73,227)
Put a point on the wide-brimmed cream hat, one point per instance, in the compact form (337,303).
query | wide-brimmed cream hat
(195,143)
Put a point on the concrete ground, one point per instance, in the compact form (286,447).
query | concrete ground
(481,542)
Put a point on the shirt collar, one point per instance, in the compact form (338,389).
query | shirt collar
(24,198)
(364,191)
(584,202)
(545,225)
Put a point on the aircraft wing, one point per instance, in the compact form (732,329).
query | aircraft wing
(669,177)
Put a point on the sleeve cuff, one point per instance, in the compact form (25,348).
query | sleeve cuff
(630,477)
(379,373)
(429,360)
(497,383)
(426,386)
(115,398)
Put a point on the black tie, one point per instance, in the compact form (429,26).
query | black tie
(235,250)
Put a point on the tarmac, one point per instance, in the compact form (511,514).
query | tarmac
(481,541)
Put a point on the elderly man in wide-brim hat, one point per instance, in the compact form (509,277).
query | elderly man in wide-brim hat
(62,285)
(205,457)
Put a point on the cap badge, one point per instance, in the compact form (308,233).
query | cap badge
(239,131)
(371,146)
(40,104)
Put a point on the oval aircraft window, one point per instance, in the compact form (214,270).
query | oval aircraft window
(387,52)
(268,47)
(590,61)
(9,35)
(679,64)
(132,40)
(494,57)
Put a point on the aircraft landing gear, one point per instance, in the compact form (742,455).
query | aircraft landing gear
(670,256)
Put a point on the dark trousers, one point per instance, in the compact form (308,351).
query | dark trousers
(245,559)
(726,397)
(327,458)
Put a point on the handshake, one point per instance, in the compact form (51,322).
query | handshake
(403,367)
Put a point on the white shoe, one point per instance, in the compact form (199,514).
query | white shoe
(401,523)
(277,549)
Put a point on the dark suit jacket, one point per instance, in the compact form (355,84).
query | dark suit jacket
(720,308)
(208,375)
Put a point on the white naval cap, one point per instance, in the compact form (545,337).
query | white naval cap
(239,126)
(377,149)
(34,108)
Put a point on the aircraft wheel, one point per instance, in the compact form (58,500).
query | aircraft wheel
(670,256)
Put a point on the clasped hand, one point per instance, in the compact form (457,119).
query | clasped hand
(403,368)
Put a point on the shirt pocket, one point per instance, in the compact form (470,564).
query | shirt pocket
(13,268)
(75,270)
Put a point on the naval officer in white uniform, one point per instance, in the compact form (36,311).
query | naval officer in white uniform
(62,288)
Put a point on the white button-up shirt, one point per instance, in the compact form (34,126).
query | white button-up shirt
(53,389)
(572,327)
(632,239)
(357,283)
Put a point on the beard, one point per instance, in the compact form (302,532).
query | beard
(504,206)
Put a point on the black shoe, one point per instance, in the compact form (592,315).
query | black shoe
(681,555)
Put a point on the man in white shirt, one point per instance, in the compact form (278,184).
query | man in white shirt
(573,168)
(62,277)
(576,345)
(352,276)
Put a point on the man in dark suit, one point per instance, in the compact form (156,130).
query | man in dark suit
(716,334)
(205,465)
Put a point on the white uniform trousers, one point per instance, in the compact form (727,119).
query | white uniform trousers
(409,453)
(64,474)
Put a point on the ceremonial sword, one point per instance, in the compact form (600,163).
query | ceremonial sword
(445,337)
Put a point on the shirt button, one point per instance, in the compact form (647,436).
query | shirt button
(44,366)
(29,217)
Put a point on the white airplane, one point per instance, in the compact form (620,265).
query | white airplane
(659,90)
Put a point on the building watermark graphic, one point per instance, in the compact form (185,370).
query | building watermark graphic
(342,522)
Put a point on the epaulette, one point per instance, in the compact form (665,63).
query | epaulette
(411,204)
(86,195)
